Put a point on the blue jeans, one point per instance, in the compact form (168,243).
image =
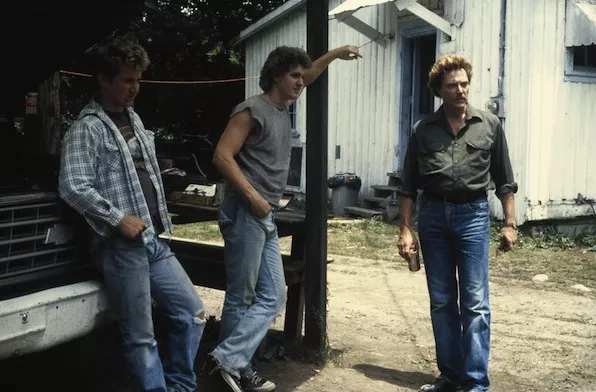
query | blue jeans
(134,273)
(455,245)
(256,288)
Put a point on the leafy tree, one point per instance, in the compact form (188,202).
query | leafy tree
(189,40)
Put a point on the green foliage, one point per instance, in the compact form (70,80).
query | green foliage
(186,40)
(548,240)
(193,40)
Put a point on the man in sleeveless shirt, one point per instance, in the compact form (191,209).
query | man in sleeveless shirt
(110,175)
(253,155)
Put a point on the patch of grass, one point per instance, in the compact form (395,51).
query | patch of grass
(554,241)
(335,356)
(564,260)
(202,231)
(370,238)
(565,267)
(588,241)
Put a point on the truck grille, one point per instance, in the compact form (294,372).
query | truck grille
(34,236)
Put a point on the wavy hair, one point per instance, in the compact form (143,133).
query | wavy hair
(443,66)
(280,61)
(109,58)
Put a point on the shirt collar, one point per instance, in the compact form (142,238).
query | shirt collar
(471,113)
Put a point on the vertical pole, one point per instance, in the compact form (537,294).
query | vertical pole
(316,182)
(49,109)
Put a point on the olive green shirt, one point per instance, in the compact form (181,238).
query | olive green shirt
(476,159)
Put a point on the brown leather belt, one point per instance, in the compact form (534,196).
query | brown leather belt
(460,197)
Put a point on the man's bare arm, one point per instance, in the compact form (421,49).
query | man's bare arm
(407,243)
(508,203)
(347,52)
(234,136)
(406,204)
(508,235)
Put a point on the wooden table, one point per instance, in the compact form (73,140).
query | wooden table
(289,224)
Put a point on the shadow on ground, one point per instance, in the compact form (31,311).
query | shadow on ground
(95,363)
(393,376)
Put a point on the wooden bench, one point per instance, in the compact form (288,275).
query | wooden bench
(205,266)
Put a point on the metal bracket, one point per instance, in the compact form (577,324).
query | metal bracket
(425,14)
(59,234)
(363,28)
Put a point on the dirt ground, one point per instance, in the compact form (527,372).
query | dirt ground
(379,331)
(381,337)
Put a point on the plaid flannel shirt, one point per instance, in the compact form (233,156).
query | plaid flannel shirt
(97,173)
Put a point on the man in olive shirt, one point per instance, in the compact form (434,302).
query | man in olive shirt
(455,156)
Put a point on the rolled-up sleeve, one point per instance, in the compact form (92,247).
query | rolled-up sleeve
(500,166)
(409,176)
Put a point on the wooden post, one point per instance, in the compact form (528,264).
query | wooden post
(49,110)
(316,183)
(295,302)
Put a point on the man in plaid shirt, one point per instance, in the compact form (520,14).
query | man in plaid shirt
(110,175)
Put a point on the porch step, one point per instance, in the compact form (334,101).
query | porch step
(384,191)
(380,201)
(394,178)
(385,188)
(363,212)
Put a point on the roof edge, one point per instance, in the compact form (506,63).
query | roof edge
(269,19)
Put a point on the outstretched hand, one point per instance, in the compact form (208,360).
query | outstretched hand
(348,52)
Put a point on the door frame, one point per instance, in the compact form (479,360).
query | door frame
(406,31)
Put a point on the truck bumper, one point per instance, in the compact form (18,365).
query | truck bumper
(44,319)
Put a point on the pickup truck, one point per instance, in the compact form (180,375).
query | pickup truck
(49,291)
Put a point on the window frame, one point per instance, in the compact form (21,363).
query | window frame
(300,188)
(294,110)
(293,115)
(579,74)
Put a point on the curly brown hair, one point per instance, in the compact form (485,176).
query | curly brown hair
(443,66)
(109,58)
(280,61)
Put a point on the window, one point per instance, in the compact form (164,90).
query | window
(584,57)
(293,115)
(581,63)
(580,41)
(294,174)
(294,182)
(297,159)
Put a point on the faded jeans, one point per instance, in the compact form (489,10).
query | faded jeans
(455,245)
(134,273)
(256,288)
